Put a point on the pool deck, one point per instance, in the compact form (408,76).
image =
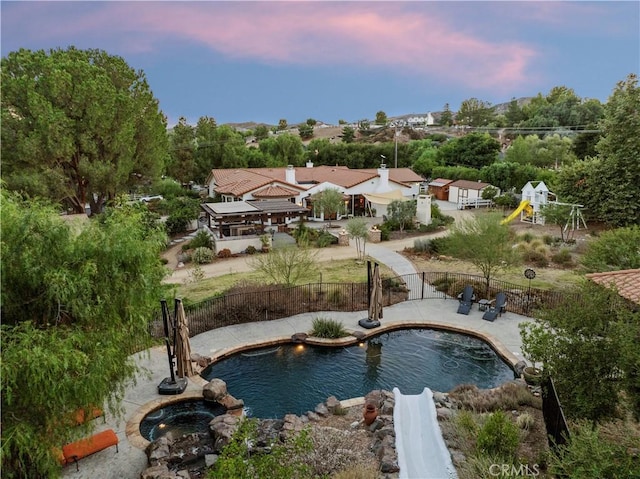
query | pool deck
(142,395)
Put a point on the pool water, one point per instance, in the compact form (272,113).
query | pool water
(294,378)
(184,417)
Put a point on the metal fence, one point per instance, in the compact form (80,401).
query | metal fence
(275,302)
(554,419)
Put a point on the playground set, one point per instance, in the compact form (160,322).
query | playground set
(535,197)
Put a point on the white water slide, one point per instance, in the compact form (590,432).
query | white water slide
(422,452)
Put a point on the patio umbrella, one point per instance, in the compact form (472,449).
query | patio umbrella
(375,306)
(182,347)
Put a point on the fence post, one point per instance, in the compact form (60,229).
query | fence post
(422,292)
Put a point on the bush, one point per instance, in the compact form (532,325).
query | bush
(498,436)
(325,239)
(526,237)
(202,255)
(535,257)
(177,224)
(421,245)
(437,245)
(562,257)
(251,249)
(201,240)
(328,328)
(224,253)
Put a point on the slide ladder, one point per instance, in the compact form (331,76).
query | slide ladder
(422,452)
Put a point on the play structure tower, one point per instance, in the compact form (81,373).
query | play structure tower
(535,197)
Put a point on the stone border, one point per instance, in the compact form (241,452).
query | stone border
(133,424)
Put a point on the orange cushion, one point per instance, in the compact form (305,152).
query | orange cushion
(87,446)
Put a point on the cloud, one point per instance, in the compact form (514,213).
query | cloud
(410,39)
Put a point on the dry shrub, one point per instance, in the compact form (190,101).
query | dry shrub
(359,471)
(338,450)
(507,397)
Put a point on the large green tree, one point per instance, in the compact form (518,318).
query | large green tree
(76,303)
(475,150)
(182,165)
(616,185)
(330,202)
(474,112)
(78,126)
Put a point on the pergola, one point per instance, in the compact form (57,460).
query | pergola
(241,218)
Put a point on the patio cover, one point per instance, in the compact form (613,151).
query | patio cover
(385,198)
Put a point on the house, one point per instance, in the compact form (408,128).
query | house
(439,188)
(466,193)
(366,191)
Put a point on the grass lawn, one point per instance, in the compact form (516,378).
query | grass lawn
(335,271)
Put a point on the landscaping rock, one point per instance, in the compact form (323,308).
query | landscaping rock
(215,390)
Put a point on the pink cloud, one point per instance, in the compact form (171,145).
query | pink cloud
(411,39)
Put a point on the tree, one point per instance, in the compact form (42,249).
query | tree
(475,150)
(286,149)
(330,202)
(589,347)
(381,118)
(484,242)
(348,134)
(78,126)
(446,118)
(209,151)
(474,112)
(286,265)
(613,250)
(359,231)
(282,124)
(261,132)
(514,114)
(557,215)
(306,131)
(401,213)
(182,164)
(616,185)
(76,303)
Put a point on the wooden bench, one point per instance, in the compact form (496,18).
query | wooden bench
(85,447)
(82,415)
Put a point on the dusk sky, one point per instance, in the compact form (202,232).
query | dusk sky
(264,61)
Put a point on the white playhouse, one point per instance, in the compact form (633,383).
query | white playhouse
(536,195)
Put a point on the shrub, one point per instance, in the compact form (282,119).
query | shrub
(201,240)
(202,255)
(549,240)
(437,245)
(525,421)
(177,224)
(421,245)
(562,257)
(526,237)
(325,239)
(498,436)
(535,257)
(328,328)
(224,253)
(251,249)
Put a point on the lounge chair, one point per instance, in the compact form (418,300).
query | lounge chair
(498,306)
(466,298)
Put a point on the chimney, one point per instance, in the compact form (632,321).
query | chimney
(309,164)
(383,185)
(290,175)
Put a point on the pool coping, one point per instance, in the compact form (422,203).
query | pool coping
(132,428)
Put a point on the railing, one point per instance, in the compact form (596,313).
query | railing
(473,203)
(554,419)
(275,302)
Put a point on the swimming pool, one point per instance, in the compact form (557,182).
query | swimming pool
(292,378)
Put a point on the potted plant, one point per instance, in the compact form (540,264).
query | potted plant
(265,239)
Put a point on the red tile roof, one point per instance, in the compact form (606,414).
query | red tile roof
(626,282)
(275,191)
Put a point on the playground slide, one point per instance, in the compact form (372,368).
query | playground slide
(422,452)
(523,205)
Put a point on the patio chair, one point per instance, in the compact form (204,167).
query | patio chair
(499,306)
(466,299)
